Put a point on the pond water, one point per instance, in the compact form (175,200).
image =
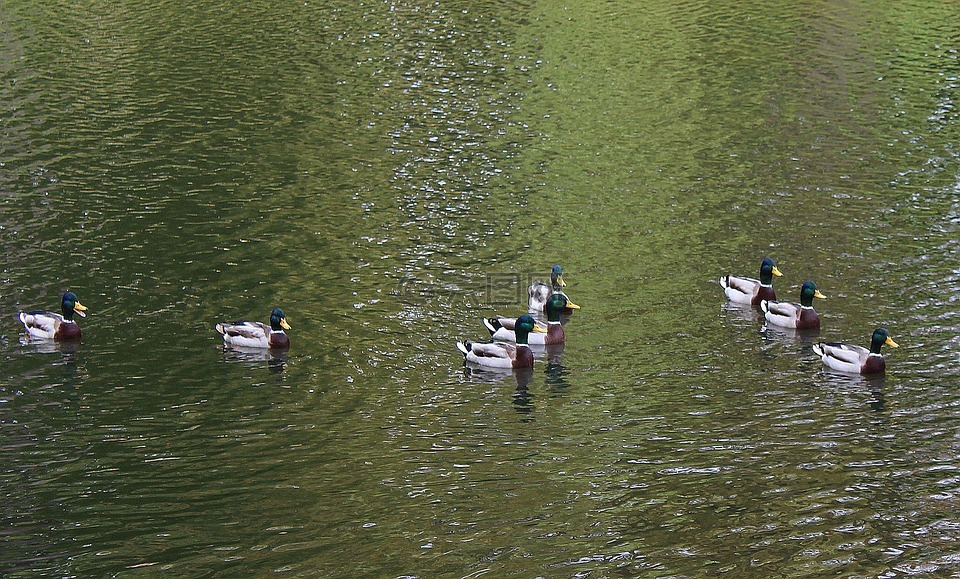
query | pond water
(389,173)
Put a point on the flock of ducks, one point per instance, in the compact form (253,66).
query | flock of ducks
(44,325)
(802,316)
(512,337)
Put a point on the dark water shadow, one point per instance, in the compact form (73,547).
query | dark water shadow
(553,353)
(875,384)
(556,378)
(68,360)
(40,346)
(522,398)
(742,312)
(789,336)
(555,372)
(276,359)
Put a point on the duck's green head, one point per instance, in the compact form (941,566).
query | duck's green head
(808,292)
(525,324)
(768,269)
(69,304)
(880,337)
(555,306)
(278,321)
(556,278)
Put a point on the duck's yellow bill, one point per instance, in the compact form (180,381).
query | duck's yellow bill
(776,272)
(817,294)
(539,328)
(284,324)
(560,281)
(891,343)
(80,308)
(572,305)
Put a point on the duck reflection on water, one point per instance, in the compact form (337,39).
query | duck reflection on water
(275,358)
(789,335)
(42,346)
(855,384)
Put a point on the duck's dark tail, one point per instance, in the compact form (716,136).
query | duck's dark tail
(492,324)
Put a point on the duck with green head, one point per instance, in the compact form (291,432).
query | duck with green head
(503,355)
(856,359)
(61,327)
(538,294)
(747,290)
(503,329)
(257,334)
(801,316)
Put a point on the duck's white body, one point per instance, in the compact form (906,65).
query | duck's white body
(845,357)
(801,316)
(499,355)
(746,290)
(790,315)
(856,359)
(45,325)
(252,335)
(538,294)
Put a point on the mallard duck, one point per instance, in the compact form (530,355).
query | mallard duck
(502,329)
(49,325)
(746,290)
(539,293)
(801,316)
(257,334)
(502,355)
(857,359)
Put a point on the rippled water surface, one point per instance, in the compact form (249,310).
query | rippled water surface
(389,173)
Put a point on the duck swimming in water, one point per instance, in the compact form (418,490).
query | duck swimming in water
(61,327)
(502,329)
(856,359)
(257,334)
(746,290)
(801,316)
(538,294)
(503,355)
